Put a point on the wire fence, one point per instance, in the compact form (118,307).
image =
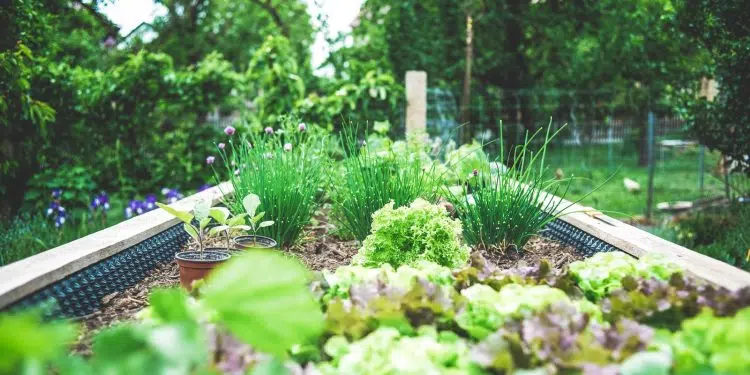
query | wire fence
(603,135)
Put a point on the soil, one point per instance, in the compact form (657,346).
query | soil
(319,249)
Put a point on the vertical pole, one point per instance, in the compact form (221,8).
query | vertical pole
(610,144)
(650,201)
(416,102)
(701,167)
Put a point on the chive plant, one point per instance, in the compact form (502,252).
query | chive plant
(504,210)
(370,180)
(284,168)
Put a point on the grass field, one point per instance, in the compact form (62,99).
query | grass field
(676,177)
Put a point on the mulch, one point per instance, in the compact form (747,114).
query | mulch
(320,248)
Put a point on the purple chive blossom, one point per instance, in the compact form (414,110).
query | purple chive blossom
(475,172)
(210,160)
(229,130)
(288,147)
(302,127)
(222,146)
(269,130)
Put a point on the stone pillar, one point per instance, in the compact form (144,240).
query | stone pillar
(416,102)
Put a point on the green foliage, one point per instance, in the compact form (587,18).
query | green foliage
(272,310)
(371,179)
(707,344)
(466,159)
(505,210)
(602,273)
(488,309)
(199,214)
(406,235)
(275,80)
(27,344)
(719,27)
(286,182)
(386,351)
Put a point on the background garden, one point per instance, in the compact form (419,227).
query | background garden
(98,124)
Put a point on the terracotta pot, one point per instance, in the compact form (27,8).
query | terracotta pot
(241,243)
(195,265)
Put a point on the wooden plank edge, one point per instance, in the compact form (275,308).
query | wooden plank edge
(22,278)
(638,243)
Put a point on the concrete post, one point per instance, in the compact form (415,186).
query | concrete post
(416,102)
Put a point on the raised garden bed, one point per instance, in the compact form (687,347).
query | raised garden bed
(82,286)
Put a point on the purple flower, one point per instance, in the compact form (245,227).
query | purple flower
(172,195)
(100,201)
(288,147)
(302,127)
(210,160)
(204,187)
(475,172)
(229,130)
(221,146)
(56,193)
(269,130)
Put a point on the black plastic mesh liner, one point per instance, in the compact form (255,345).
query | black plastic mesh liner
(80,293)
(585,243)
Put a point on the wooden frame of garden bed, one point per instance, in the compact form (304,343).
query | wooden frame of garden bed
(29,275)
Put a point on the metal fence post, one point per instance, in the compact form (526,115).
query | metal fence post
(650,199)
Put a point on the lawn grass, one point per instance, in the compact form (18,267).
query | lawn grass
(676,177)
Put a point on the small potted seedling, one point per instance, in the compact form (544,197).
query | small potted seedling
(251,202)
(195,265)
(227,224)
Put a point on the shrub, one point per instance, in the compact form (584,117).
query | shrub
(371,180)
(405,235)
(285,170)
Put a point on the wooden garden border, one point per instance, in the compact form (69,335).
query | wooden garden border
(29,275)
(26,276)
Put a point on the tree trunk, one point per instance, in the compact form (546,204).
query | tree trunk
(466,96)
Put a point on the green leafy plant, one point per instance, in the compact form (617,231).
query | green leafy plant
(370,180)
(270,309)
(406,235)
(711,345)
(200,213)
(251,202)
(227,223)
(602,273)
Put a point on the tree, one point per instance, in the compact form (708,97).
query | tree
(721,28)
(234,28)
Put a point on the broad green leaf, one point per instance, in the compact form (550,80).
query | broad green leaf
(263,299)
(265,224)
(251,203)
(220,214)
(170,305)
(242,227)
(200,210)
(257,218)
(237,220)
(191,231)
(204,223)
(26,342)
(184,216)
(218,229)
(272,366)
